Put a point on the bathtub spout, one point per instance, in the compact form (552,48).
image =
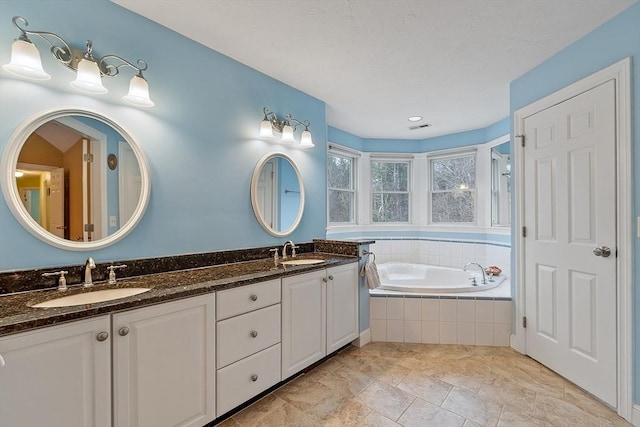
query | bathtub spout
(484,276)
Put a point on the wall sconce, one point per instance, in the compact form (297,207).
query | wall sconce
(286,127)
(26,62)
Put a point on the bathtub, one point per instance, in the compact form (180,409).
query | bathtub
(422,278)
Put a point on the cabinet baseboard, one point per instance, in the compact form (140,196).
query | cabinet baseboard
(363,339)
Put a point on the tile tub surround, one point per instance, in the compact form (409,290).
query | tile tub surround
(445,253)
(392,384)
(440,319)
(16,315)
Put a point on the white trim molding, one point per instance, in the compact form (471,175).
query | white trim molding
(363,339)
(620,72)
(635,420)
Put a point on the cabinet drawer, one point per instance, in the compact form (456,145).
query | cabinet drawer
(232,302)
(241,381)
(247,334)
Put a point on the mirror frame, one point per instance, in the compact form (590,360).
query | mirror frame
(8,168)
(254,194)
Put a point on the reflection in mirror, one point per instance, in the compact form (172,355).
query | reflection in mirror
(501,185)
(277,194)
(75,179)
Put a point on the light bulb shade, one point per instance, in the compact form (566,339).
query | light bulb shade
(305,139)
(287,134)
(266,130)
(25,61)
(139,92)
(88,78)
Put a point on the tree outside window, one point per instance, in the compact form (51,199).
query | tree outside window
(340,184)
(453,193)
(389,191)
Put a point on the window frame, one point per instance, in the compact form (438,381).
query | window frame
(456,154)
(354,157)
(391,159)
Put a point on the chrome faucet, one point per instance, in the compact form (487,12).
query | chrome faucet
(88,266)
(484,276)
(284,249)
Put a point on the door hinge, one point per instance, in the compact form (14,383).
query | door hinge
(524,322)
(524,231)
(88,228)
(521,139)
(88,158)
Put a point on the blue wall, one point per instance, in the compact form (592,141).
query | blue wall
(462,139)
(200,139)
(615,40)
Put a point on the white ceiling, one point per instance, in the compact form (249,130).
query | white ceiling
(377,62)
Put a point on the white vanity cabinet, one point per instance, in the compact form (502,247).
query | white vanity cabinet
(248,342)
(319,315)
(57,376)
(164,364)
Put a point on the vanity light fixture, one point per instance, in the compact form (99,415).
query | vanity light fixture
(286,127)
(26,62)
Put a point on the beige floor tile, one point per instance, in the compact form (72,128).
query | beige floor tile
(385,399)
(381,383)
(375,419)
(426,388)
(425,414)
(560,412)
(470,405)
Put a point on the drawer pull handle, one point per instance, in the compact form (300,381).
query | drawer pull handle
(254,378)
(254,334)
(254,297)
(123,331)
(102,336)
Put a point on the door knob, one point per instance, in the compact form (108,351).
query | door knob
(602,251)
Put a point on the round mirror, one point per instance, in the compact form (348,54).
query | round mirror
(277,194)
(75,179)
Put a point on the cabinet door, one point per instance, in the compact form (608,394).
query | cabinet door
(303,321)
(342,306)
(58,376)
(164,364)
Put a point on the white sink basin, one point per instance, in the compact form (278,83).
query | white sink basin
(302,261)
(91,297)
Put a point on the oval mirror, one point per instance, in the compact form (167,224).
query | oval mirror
(501,185)
(75,179)
(277,194)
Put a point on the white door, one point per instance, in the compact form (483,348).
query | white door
(164,364)
(342,306)
(57,376)
(570,211)
(56,203)
(266,191)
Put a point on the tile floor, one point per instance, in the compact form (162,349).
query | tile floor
(400,384)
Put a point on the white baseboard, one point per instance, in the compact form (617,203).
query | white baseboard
(635,416)
(363,339)
(515,344)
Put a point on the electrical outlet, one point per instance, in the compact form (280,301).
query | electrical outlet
(112,221)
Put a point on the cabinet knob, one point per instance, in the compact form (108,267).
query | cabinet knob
(254,378)
(123,331)
(254,334)
(102,336)
(324,279)
(254,297)
(2,362)
(331,277)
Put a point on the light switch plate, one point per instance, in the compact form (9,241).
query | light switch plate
(112,221)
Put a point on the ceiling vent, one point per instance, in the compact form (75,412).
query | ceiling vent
(426,125)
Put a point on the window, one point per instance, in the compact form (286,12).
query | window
(453,182)
(341,187)
(389,191)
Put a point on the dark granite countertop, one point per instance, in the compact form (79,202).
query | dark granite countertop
(17,315)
